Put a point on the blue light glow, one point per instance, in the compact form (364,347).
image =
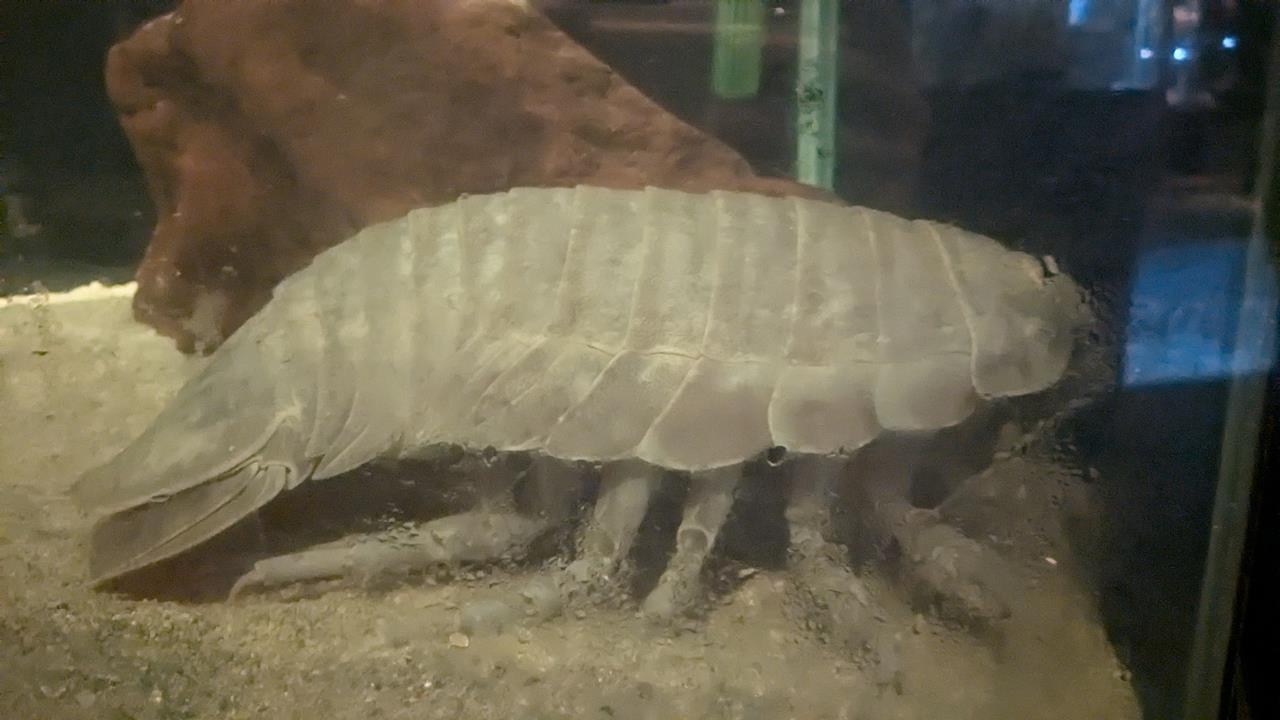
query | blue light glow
(1146,53)
(1229,42)
(1180,54)
(1077,12)
(1184,306)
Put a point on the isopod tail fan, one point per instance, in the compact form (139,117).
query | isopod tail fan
(156,531)
(228,443)
(290,396)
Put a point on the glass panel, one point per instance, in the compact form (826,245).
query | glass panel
(586,359)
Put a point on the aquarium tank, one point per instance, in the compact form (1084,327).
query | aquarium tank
(627,359)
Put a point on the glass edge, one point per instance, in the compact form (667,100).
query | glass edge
(1241,435)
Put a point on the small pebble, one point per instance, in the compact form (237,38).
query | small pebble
(459,640)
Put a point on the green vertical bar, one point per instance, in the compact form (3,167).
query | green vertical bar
(816,93)
(739,37)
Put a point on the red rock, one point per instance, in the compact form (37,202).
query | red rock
(271,129)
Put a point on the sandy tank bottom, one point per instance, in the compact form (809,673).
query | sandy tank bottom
(79,378)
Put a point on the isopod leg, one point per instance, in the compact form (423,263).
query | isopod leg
(710,498)
(494,530)
(960,579)
(957,577)
(466,537)
(626,489)
(830,594)
(605,540)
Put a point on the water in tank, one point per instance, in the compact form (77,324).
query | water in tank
(623,359)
